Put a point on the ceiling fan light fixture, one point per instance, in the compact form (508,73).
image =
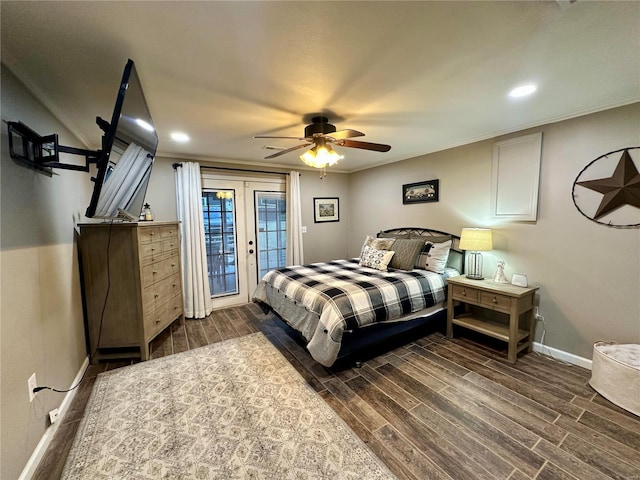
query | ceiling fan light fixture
(321,156)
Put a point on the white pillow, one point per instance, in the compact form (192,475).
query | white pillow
(374,258)
(437,256)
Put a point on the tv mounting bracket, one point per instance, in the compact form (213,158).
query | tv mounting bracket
(43,152)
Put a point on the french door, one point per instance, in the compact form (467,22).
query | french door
(245,233)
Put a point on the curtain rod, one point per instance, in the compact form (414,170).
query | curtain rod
(176,165)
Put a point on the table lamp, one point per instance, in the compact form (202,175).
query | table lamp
(475,240)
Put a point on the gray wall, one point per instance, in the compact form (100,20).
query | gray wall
(589,274)
(323,241)
(42,327)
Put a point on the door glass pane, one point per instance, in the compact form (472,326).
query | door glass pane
(271,213)
(218,208)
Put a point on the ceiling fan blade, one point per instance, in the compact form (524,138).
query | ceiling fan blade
(282,152)
(271,136)
(347,133)
(378,147)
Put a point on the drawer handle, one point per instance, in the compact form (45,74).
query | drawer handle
(173,264)
(495,300)
(151,233)
(464,292)
(156,295)
(155,272)
(157,322)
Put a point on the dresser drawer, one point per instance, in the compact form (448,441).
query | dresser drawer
(158,293)
(160,270)
(495,301)
(465,293)
(150,250)
(150,234)
(169,231)
(158,319)
(170,245)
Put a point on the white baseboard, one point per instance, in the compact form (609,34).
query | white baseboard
(43,444)
(562,355)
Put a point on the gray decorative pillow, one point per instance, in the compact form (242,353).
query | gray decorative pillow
(407,252)
(373,258)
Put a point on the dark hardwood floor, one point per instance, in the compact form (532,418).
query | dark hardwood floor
(435,408)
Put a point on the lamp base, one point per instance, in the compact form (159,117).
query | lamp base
(474,270)
(475,277)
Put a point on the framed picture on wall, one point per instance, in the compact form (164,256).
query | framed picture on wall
(326,210)
(421,192)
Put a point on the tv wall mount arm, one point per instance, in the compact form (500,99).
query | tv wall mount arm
(43,152)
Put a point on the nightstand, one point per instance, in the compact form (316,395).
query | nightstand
(513,323)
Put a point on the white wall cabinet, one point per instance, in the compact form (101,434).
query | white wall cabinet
(515,178)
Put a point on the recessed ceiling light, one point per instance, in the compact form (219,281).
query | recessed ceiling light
(179,137)
(523,91)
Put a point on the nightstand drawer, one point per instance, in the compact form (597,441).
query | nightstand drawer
(494,300)
(465,293)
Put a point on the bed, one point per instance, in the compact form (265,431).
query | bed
(345,310)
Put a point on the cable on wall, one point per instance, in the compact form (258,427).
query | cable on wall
(104,307)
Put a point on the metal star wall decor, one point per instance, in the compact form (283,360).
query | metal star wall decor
(622,188)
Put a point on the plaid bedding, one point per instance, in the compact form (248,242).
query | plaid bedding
(342,295)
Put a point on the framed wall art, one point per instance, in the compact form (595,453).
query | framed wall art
(326,209)
(421,192)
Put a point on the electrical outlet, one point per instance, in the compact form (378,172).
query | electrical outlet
(31,383)
(303,229)
(536,314)
(53,415)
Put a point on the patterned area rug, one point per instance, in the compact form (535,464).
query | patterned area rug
(231,410)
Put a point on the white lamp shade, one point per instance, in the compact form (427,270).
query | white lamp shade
(476,239)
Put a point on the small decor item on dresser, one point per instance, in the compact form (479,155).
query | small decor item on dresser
(519,280)
(147,213)
(499,276)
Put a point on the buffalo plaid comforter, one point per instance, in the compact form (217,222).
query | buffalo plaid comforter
(341,295)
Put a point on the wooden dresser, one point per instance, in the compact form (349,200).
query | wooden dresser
(132,285)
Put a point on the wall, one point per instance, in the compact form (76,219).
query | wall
(589,274)
(323,241)
(41,322)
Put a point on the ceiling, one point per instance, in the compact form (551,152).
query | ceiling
(420,76)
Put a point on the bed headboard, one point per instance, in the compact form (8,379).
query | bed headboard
(456,255)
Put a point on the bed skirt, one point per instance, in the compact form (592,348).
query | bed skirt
(356,345)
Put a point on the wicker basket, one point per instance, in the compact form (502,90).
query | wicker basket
(616,374)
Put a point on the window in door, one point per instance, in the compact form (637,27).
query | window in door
(271,225)
(218,207)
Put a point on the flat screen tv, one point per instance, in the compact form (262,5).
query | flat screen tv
(128,148)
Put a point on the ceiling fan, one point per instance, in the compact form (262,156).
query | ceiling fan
(321,134)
